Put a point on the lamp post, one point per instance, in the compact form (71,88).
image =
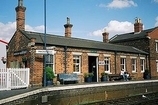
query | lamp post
(44,43)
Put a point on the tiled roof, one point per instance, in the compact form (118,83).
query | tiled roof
(56,40)
(131,36)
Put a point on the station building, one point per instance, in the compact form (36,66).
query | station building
(66,54)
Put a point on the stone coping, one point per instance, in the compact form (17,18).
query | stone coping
(66,87)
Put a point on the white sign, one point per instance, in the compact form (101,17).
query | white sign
(101,63)
(51,47)
(51,52)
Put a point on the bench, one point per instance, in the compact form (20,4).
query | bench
(117,77)
(113,77)
(68,77)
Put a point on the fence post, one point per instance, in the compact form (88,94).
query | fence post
(8,79)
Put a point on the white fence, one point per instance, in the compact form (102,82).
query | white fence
(14,78)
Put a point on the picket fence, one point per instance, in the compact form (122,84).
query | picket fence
(14,78)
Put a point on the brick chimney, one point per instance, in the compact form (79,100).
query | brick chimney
(138,26)
(105,36)
(20,15)
(68,27)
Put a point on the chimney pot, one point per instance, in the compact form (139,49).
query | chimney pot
(68,27)
(105,36)
(138,26)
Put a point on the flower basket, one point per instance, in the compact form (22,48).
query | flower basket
(104,76)
(88,77)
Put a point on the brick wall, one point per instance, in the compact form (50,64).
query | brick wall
(35,61)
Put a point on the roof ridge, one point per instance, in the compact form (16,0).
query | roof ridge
(59,36)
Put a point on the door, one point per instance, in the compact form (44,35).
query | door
(93,67)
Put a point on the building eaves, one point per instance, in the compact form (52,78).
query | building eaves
(56,40)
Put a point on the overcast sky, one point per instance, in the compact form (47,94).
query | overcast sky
(89,17)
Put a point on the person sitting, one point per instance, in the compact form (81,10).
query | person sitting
(126,75)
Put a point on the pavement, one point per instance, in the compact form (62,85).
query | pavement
(9,93)
(6,94)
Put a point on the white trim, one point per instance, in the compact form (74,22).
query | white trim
(156,40)
(78,72)
(122,56)
(157,65)
(135,64)
(107,55)
(133,57)
(109,64)
(142,57)
(156,45)
(76,53)
(93,54)
(97,69)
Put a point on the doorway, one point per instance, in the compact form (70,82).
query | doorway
(92,63)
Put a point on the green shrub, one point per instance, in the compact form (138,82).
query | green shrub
(49,73)
(88,74)
(103,74)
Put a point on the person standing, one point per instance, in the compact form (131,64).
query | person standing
(122,74)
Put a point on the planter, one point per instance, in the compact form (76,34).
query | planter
(147,76)
(49,76)
(104,78)
(88,79)
(49,82)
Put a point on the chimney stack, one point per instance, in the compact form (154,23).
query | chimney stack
(105,36)
(20,15)
(138,26)
(68,27)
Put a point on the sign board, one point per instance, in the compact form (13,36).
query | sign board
(93,51)
(20,52)
(51,52)
(101,63)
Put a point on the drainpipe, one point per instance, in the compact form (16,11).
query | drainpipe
(149,58)
(65,49)
(147,66)
(115,61)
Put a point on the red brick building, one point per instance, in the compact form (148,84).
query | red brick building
(70,55)
(146,40)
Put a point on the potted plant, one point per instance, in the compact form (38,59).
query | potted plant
(24,58)
(88,77)
(104,76)
(49,76)
(146,74)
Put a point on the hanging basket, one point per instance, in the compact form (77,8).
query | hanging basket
(4,60)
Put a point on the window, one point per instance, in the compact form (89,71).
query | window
(142,65)
(49,61)
(157,65)
(107,64)
(156,45)
(76,63)
(133,60)
(14,64)
(123,64)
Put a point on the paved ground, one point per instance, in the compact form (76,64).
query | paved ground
(10,93)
